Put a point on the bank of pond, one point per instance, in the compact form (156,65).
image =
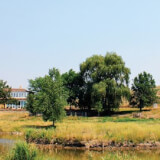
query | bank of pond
(119,137)
(15,148)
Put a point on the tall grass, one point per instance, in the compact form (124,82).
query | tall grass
(103,129)
(22,151)
(103,132)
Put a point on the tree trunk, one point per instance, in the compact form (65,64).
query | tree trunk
(108,110)
(4,106)
(141,105)
(140,109)
(53,124)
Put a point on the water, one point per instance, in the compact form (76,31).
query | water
(7,142)
(85,155)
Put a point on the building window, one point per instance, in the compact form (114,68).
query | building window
(22,103)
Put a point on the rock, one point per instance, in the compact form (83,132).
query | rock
(137,115)
(17,133)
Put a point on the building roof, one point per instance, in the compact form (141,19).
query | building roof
(20,98)
(18,90)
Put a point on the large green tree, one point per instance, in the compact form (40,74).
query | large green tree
(49,96)
(143,91)
(105,80)
(71,83)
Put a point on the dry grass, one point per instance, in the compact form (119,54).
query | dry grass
(108,131)
(18,121)
(118,128)
(147,113)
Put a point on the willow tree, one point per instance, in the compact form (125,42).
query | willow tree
(106,81)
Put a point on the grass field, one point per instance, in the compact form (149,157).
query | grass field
(119,127)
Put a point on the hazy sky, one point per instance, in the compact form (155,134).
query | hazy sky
(36,35)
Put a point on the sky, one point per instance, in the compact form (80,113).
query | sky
(36,35)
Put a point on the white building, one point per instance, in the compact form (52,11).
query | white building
(20,95)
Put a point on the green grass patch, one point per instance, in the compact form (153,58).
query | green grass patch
(126,119)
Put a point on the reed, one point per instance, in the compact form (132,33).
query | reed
(22,151)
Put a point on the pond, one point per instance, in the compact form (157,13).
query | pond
(7,142)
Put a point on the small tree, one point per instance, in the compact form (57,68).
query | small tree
(49,96)
(143,91)
(5,93)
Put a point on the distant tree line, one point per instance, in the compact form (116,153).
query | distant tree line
(101,85)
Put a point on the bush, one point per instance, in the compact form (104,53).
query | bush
(22,151)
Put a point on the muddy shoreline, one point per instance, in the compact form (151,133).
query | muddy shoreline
(96,145)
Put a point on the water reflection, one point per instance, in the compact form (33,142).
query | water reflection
(85,155)
(7,142)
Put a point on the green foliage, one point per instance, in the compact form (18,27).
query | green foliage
(5,91)
(105,81)
(98,93)
(49,96)
(30,104)
(98,106)
(71,81)
(143,91)
(22,151)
